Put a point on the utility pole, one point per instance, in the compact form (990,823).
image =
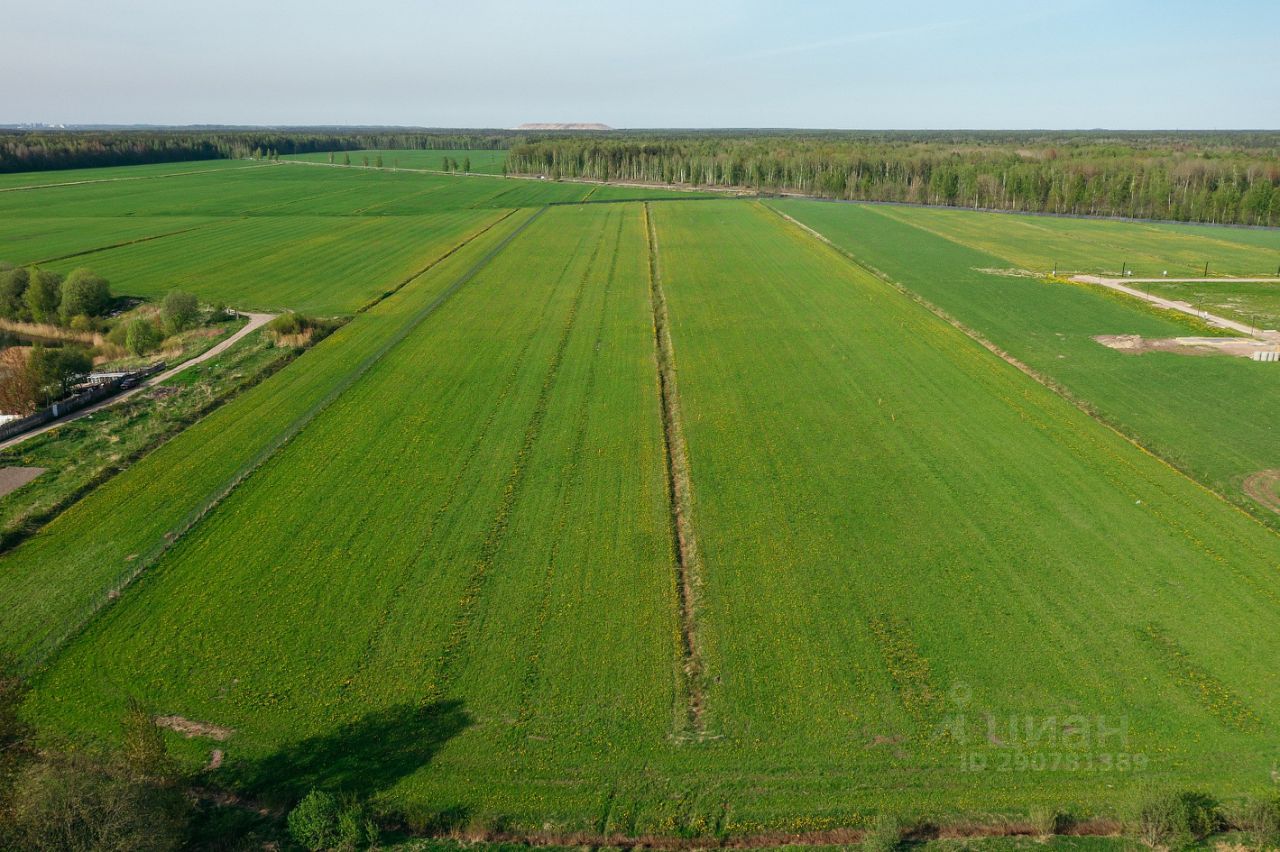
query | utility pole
(1206,269)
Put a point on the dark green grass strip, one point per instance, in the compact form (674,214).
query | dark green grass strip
(152,555)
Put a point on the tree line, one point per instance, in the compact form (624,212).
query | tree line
(1220,177)
(23,151)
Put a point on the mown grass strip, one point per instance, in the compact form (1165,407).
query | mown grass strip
(146,559)
(688,561)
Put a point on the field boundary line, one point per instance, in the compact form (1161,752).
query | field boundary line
(136,177)
(450,253)
(149,558)
(126,243)
(688,559)
(1040,378)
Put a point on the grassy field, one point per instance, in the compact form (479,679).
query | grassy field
(1212,416)
(432,560)
(1147,249)
(265,236)
(1254,303)
(487,162)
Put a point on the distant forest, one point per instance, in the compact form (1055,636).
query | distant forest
(1224,177)
(1229,177)
(30,151)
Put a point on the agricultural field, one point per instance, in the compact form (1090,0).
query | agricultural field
(441,560)
(1256,303)
(270,237)
(1145,249)
(483,161)
(1211,416)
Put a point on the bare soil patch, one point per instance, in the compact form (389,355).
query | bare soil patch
(1262,486)
(13,478)
(1240,347)
(190,728)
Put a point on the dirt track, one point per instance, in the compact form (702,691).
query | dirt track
(1120,286)
(256,321)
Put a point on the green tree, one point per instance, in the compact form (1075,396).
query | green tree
(346,159)
(179,311)
(141,337)
(331,158)
(466,164)
(43,295)
(56,369)
(13,289)
(85,293)
(377,162)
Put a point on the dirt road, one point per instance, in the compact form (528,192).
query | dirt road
(1121,285)
(256,321)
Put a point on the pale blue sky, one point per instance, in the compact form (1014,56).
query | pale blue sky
(751,63)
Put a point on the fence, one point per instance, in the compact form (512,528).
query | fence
(71,404)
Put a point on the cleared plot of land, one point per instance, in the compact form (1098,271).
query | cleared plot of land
(483,161)
(1147,249)
(1214,417)
(13,478)
(1256,303)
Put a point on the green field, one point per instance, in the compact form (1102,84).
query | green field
(485,162)
(433,560)
(267,237)
(1211,416)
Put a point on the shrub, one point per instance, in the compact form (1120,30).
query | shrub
(1261,818)
(141,337)
(1174,820)
(325,821)
(1048,821)
(179,310)
(884,835)
(13,291)
(86,293)
(76,803)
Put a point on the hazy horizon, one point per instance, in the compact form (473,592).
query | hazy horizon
(920,64)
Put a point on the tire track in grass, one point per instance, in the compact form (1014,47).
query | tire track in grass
(446,663)
(529,682)
(451,493)
(688,567)
(136,566)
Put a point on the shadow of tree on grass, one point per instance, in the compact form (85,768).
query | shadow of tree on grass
(361,757)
